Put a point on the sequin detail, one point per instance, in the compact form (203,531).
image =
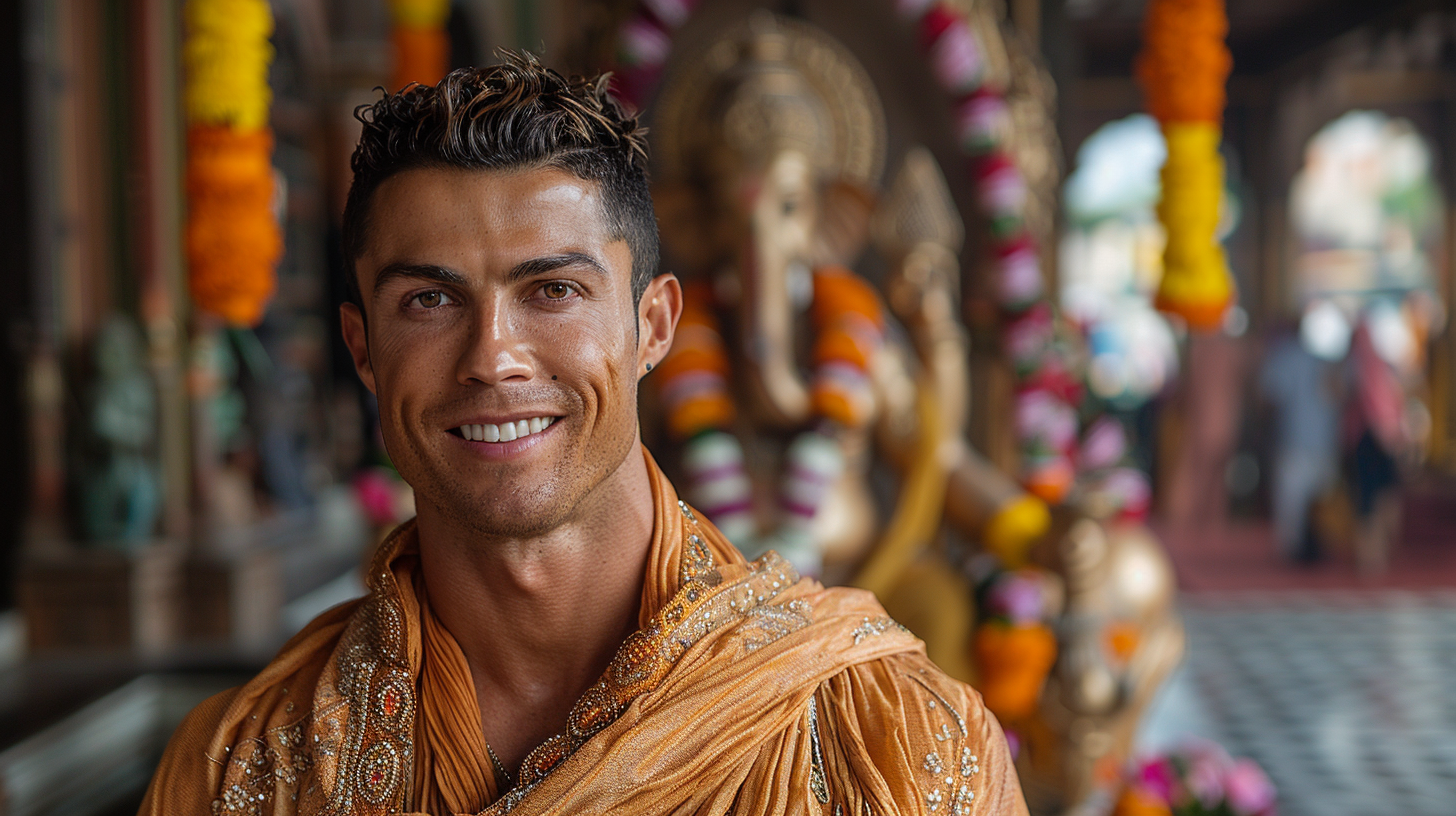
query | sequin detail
(944,786)
(873,627)
(817,781)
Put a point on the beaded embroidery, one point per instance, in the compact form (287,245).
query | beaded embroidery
(700,607)
(947,787)
(817,782)
(872,627)
(356,747)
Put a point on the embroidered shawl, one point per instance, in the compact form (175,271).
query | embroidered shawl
(747,690)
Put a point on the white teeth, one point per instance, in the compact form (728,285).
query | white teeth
(506,431)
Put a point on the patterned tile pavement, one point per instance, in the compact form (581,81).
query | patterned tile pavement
(1347,699)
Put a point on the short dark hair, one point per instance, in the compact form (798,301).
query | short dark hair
(514,115)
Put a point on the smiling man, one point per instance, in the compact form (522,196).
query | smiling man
(555,632)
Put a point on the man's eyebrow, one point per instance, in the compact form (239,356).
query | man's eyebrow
(551,263)
(425,271)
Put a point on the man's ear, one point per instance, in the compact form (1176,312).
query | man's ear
(356,337)
(657,316)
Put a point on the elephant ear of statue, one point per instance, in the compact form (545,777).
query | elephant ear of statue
(844,223)
(684,224)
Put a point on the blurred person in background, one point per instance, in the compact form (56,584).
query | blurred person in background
(555,631)
(1375,420)
(1300,378)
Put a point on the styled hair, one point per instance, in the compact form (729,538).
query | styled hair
(517,115)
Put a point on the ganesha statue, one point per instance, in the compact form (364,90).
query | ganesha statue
(790,378)
(812,411)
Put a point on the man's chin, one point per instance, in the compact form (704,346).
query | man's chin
(504,513)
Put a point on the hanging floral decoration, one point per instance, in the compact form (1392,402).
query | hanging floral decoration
(1183,68)
(421,46)
(956,55)
(232,239)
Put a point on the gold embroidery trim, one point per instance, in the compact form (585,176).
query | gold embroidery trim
(643,660)
(817,782)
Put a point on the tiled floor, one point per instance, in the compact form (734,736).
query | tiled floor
(1348,700)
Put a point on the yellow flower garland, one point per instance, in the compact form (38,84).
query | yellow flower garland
(1183,68)
(232,238)
(1196,283)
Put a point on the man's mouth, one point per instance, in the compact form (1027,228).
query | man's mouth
(505,431)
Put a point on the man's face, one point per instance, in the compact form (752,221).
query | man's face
(502,342)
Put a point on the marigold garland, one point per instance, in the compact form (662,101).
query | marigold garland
(421,46)
(232,237)
(1183,68)
(694,375)
(1014,660)
(849,329)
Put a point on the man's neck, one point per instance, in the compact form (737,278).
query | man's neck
(540,618)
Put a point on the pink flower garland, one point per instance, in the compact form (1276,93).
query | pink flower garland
(983,124)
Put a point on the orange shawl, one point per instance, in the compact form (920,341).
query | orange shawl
(747,690)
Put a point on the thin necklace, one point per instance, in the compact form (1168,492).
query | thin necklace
(502,776)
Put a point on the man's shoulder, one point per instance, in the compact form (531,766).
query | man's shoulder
(256,719)
(929,737)
(913,690)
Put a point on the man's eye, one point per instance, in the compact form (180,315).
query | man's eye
(431,300)
(556,291)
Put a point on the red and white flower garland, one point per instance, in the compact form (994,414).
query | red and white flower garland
(952,45)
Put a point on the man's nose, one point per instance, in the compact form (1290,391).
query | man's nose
(494,352)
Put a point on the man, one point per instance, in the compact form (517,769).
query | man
(555,632)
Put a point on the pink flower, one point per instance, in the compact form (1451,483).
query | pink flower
(982,120)
(1205,782)
(1103,445)
(1017,596)
(1040,415)
(1013,743)
(1020,277)
(1156,776)
(673,13)
(1208,763)
(374,490)
(643,43)
(1250,793)
(1003,191)
(1131,489)
(957,58)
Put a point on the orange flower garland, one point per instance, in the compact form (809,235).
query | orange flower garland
(1183,68)
(1013,659)
(1184,62)
(232,238)
(694,375)
(850,325)
(421,46)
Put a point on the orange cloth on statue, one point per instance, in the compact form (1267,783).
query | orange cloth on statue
(747,690)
